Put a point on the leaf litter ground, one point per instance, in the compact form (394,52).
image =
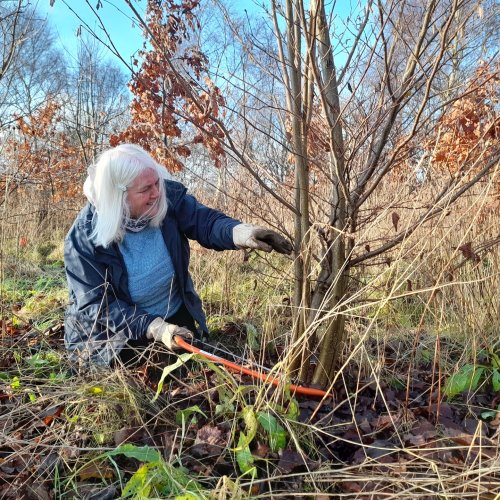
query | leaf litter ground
(377,437)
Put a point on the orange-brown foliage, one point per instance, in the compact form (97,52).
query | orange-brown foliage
(471,127)
(168,98)
(40,155)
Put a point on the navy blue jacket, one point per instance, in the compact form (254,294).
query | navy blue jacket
(101,317)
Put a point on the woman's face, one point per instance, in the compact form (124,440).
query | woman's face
(143,194)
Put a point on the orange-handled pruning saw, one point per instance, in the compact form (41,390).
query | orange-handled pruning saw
(268,379)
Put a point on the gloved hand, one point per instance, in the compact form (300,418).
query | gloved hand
(162,331)
(259,238)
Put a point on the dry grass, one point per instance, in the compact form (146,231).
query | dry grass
(416,318)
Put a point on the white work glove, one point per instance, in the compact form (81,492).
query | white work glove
(161,331)
(259,238)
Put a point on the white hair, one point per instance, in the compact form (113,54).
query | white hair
(106,188)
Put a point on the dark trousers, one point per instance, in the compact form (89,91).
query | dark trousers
(136,350)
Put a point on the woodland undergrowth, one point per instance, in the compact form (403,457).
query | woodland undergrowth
(414,411)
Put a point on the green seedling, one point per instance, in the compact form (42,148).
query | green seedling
(15,383)
(272,429)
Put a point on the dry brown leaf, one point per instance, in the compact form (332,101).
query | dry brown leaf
(211,435)
(127,434)
(291,461)
(49,414)
(96,471)
(477,444)
(468,253)
(395,219)
(384,421)
(350,487)
(262,450)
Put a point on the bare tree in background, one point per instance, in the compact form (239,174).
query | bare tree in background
(33,74)
(33,67)
(54,117)
(97,98)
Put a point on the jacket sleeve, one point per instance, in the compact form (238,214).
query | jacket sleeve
(209,227)
(93,295)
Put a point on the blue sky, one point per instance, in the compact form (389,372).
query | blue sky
(65,16)
(115,15)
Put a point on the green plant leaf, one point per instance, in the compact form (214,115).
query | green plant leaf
(169,369)
(495,380)
(183,415)
(162,479)
(293,411)
(15,383)
(251,424)
(58,377)
(143,453)
(277,434)
(100,438)
(139,485)
(495,361)
(95,390)
(397,384)
(227,407)
(244,456)
(489,414)
(467,378)
(252,336)
(37,361)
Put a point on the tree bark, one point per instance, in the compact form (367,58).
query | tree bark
(332,280)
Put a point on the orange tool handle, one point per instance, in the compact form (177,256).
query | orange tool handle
(306,391)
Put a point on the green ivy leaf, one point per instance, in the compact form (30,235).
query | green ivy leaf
(467,378)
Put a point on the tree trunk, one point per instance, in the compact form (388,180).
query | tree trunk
(297,106)
(332,280)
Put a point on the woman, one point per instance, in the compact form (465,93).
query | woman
(127,257)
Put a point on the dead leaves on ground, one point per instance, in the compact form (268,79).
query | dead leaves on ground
(368,430)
